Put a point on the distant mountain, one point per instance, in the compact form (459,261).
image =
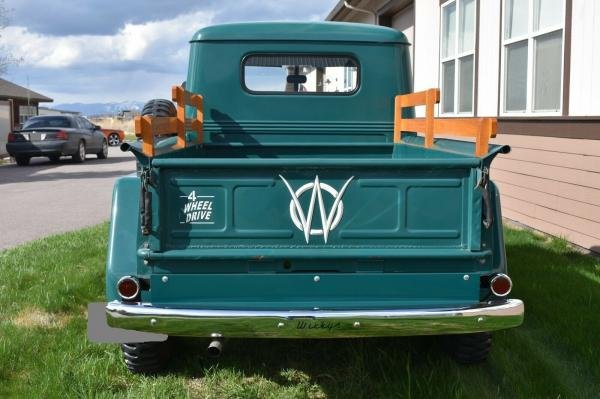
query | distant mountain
(95,109)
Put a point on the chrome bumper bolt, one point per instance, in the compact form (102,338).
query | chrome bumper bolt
(466,277)
(356,324)
(317,279)
(153,322)
(280,325)
(164,279)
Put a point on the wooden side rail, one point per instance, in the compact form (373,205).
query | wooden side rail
(482,129)
(149,127)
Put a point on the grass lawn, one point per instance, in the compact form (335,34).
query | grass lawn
(130,137)
(46,285)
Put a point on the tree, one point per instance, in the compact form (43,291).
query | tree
(6,58)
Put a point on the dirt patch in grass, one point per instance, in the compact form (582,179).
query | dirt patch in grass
(34,318)
(288,383)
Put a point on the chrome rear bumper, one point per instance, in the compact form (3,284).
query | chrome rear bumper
(316,323)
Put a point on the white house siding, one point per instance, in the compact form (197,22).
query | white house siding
(488,55)
(427,52)
(404,20)
(585,59)
(361,18)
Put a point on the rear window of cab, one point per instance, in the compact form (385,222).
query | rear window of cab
(300,74)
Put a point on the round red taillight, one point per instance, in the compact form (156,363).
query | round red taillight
(128,287)
(501,285)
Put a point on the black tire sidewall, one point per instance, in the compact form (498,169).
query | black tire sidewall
(470,348)
(102,154)
(77,157)
(22,161)
(145,358)
(159,107)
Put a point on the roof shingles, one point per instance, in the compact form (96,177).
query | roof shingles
(10,90)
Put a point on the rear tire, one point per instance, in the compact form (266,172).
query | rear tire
(469,348)
(103,154)
(79,156)
(146,357)
(22,161)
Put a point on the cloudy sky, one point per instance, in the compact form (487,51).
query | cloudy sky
(108,50)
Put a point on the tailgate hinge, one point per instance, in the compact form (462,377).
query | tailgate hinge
(146,201)
(488,216)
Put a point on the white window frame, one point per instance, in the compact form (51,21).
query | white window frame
(530,36)
(348,79)
(455,58)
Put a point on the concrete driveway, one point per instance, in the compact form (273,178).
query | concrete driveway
(45,198)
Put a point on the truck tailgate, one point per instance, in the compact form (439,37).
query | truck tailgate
(265,206)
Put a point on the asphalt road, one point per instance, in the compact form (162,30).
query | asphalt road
(44,198)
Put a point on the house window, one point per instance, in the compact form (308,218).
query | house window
(458,56)
(26,112)
(349,79)
(533,56)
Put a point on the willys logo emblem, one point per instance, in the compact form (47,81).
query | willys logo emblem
(329,220)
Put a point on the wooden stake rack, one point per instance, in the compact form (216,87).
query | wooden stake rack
(148,127)
(482,129)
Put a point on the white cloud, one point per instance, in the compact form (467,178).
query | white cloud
(87,52)
(167,39)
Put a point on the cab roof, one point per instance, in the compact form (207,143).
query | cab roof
(300,31)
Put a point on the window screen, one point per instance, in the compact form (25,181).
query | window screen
(289,73)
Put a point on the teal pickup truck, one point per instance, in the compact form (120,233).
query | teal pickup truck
(290,192)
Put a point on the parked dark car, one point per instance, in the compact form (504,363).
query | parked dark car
(55,136)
